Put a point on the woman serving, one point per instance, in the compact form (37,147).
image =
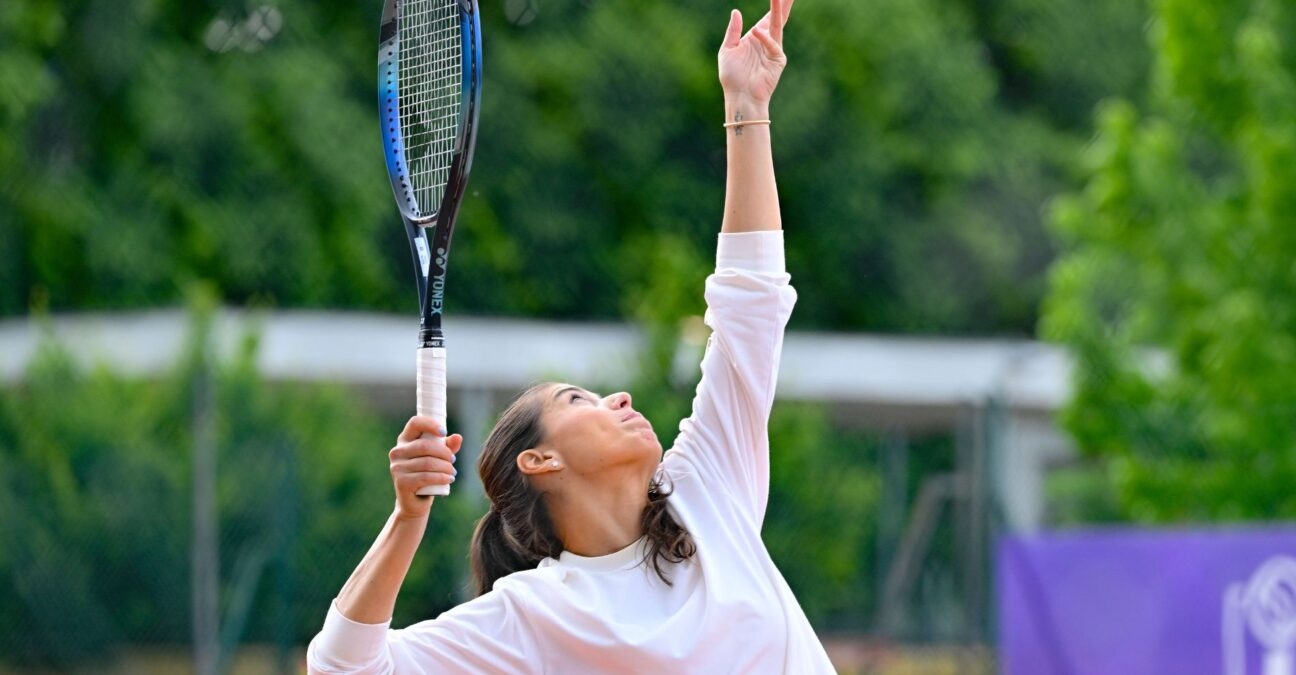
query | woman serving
(598,553)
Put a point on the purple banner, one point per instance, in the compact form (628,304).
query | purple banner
(1146,602)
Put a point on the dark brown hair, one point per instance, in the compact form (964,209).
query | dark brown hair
(516,533)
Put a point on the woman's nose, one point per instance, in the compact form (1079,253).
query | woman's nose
(619,400)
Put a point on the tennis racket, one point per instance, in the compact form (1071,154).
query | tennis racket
(429,92)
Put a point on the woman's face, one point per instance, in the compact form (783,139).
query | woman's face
(593,435)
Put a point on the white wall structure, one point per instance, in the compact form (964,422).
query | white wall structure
(887,383)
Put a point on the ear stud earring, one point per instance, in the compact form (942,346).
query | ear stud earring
(555,464)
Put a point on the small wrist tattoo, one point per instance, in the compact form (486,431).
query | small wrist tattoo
(738,117)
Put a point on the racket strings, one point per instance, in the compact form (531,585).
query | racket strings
(431,95)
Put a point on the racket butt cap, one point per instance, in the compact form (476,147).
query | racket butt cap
(434,491)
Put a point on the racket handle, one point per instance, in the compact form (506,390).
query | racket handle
(431,392)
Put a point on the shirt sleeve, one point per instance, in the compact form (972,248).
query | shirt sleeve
(726,439)
(479,636)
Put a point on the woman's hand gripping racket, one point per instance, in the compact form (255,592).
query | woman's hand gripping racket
(429,92)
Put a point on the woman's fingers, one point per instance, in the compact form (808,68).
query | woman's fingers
(419,447)
(424,465)
(779,12)
(413,482)
(428,446)
(773,21)
(424,456)
(766,26)
(419,462)
(763,36)
(734,33)
(771,24)
(420,425)
(777,17)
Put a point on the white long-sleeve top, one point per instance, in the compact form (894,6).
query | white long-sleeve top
(729,609)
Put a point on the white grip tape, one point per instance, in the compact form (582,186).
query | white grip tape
(431,392)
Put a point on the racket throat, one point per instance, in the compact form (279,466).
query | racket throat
(433,304)
(436,288)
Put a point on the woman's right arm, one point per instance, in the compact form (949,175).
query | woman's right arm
(423,456)
(484,635)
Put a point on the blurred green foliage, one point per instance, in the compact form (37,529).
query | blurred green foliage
(96,491)
(145,144)
(821,525)
(1175,290)
(138,157)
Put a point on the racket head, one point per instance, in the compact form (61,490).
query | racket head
(429,96)
(429,93)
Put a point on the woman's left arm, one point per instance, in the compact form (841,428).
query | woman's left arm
(750,66)
(748,298)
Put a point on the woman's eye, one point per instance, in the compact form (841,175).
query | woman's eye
(575,396)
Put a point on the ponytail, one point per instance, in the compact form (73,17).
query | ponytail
(516,533)
(493,555)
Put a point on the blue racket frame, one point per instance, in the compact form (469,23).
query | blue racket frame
(429,235)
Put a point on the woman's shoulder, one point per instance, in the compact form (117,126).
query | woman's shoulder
(544,577)
(512,595)
(679,474)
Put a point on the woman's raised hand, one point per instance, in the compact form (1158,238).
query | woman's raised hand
(750,64)
(423,456)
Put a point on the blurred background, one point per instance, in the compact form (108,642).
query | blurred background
(1038,404)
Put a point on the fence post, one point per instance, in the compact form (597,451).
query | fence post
(205,552)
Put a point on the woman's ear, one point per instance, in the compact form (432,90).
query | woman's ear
(534,462)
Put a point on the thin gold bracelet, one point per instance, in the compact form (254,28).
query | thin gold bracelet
(743,123)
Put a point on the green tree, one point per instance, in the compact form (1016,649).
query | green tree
(1175,291)
(96,491)
(146,144)
(911,190)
